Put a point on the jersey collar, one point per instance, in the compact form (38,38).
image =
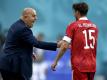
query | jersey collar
(83,18)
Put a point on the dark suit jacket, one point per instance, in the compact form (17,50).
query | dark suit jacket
(17,52)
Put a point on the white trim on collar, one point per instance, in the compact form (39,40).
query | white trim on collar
(83,18)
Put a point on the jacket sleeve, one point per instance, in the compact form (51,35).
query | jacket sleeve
(28,38)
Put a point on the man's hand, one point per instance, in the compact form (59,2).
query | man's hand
(53,66)
(59,43)
(34,57)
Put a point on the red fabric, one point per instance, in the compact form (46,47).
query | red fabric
(83,32)
(77,75)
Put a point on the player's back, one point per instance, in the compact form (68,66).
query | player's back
(84,42)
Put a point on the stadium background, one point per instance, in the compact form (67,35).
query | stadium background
(53,18)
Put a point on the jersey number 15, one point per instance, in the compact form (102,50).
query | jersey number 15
(91,37)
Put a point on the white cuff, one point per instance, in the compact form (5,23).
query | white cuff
(66,38)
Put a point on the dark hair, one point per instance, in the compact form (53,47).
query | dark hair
(82,7)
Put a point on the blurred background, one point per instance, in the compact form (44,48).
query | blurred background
(53,18)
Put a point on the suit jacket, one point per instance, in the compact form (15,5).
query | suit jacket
(17,51)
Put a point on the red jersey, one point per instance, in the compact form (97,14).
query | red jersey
(83,35)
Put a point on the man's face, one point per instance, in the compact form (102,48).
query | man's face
(31,18)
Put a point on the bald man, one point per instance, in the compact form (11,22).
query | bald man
(16,59)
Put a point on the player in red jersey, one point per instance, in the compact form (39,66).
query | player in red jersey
(82,36)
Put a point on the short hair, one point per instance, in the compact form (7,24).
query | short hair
(27,10)
(82,7)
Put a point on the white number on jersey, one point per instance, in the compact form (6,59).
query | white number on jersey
(91,45)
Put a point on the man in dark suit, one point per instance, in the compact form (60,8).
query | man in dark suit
(16,59)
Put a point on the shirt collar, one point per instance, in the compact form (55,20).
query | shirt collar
(83,18)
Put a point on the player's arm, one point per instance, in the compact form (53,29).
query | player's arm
(64,44)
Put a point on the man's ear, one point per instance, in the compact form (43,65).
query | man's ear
(77,12)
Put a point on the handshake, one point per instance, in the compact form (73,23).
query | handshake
(59,43)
